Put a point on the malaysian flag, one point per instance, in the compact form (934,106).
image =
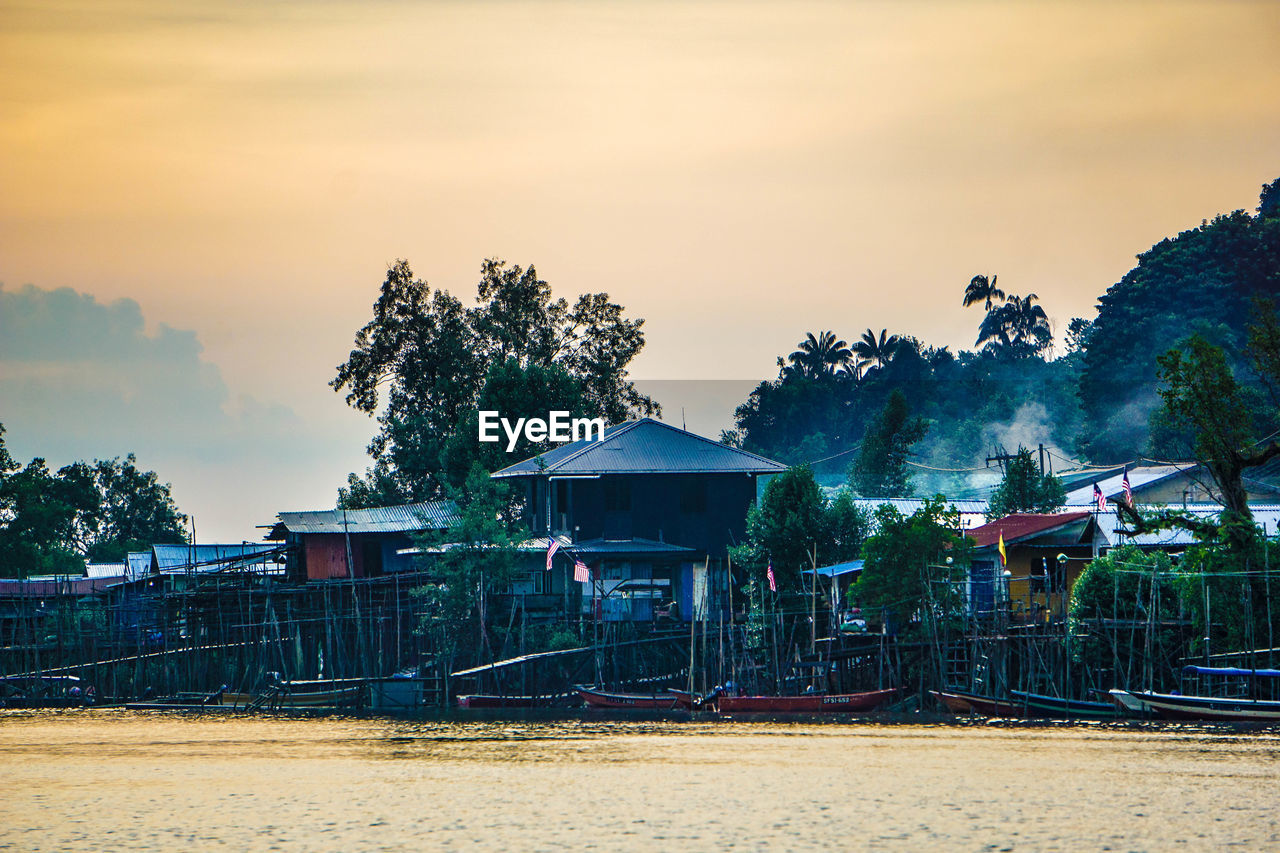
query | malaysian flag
(1128,490)
(773,583)
(1099,498)
(551,552)
(581,573)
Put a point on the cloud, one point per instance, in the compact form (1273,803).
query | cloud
(81,379)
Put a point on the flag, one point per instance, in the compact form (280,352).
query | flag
(1004,558)
(551,551)
(1099,498)
(581,573)
(773,583)
(1128,490)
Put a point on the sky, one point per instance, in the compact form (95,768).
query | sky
(198,201)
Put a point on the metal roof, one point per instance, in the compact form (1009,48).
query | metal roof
(407,518)
(139,565)
(1113,485)
(645,446)
(838,570)
(972,512)
(105,570)
(604,547)
(1022,525)
(207,558)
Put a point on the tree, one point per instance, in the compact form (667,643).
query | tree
(848,526)
(913,565)
(136,511)
(50,522)
(1024,489)
(1019,328)
(823,355)
(880,469)
(785,528)
(981,289)
(431,355)
(1201,397)
(477,558)
(873,352)
(1117,586)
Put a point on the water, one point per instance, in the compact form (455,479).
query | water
(115,780)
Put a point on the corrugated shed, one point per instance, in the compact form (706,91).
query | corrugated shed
(407,518)
(646,446)
(139,563)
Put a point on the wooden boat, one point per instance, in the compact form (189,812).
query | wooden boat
(647,701)
(487,700)
(814,703)
(1174,706)
(1039,705)
(340,697)
(1214,693)
(1130,704)
(960,702)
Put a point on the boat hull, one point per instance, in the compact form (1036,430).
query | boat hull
(811,704)
(1209,708)
(629,701)
(974,703)
(1039,705)
(481,700)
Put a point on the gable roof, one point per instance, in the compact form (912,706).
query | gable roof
(1022,525)
(1112,482)
(171,559)
(406,518)
(646,446)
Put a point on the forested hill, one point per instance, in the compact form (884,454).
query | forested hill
(1089,396)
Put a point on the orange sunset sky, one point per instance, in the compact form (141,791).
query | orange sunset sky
(736,173)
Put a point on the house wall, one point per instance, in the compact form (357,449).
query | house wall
(1184,488)
(1032,598)
(705,512)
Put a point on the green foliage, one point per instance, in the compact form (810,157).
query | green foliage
(476,558)
(818,356)
(1018,328)
(1118,586)
(913,566)
(50,521)
(793,524)
(1199,281)
(424,359)
(1024,489)
(880,469)
(984,290)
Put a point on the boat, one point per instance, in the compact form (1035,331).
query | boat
(1213,693)
(961,702)
(811,703)
(1130,704)
(1040,705)
(489,700)
(623,701)
(44,691)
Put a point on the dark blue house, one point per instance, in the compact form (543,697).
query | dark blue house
(640,507)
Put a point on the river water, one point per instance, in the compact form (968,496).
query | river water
(117,780)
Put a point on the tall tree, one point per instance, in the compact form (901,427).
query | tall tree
(817,356)
(982,289)
(1024,489)
(136,511)
(1018,328)
(431,356)
(880,469)
(873,352)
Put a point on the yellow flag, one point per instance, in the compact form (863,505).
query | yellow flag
(1004,558)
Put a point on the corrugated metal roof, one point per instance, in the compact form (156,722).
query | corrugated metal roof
(625,546)
(1113,486)
(207,558)
(105,570)
(837,569)
(139,565)
(1022,525)
(407,518)
(972,512)
(646,446)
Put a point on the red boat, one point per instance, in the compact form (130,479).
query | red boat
(816,703)
(975,703)
(648,701)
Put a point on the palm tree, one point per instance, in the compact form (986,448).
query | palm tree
(1018,328)
(980,289)
(817,356)
(873,352)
